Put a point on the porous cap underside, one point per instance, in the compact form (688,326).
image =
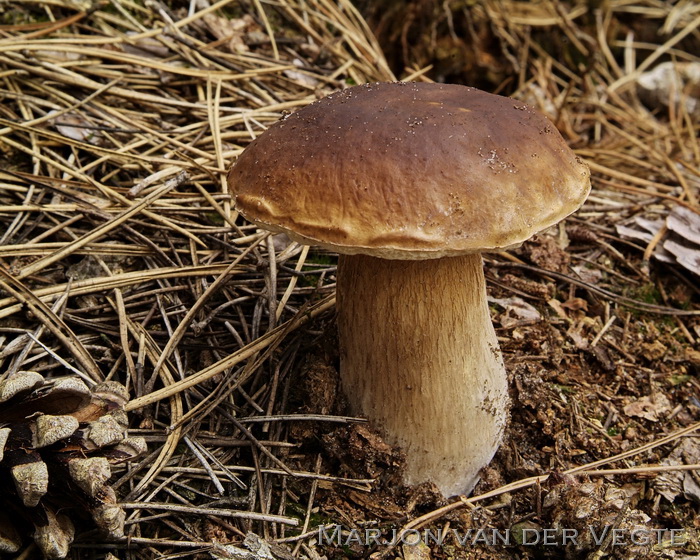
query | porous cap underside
(410,171)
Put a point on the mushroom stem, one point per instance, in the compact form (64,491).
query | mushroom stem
(420,359)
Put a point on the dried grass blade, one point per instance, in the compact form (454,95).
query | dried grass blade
(268,339)
(653,57)
(187,319)
(176,411)
(95,285)
(52,322)
(102,230)
(216,512)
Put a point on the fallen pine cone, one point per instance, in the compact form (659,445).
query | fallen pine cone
(58,440)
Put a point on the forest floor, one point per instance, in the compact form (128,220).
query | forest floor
(123,260)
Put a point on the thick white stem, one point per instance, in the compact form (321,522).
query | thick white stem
(420,359)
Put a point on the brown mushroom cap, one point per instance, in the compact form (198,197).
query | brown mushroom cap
(410,171)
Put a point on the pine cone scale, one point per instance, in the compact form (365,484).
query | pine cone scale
(58,442)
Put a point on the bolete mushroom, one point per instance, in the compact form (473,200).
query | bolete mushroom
(410,182)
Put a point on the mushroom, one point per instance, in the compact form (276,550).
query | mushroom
(410,182)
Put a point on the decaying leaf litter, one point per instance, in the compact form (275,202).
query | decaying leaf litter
(119,121)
